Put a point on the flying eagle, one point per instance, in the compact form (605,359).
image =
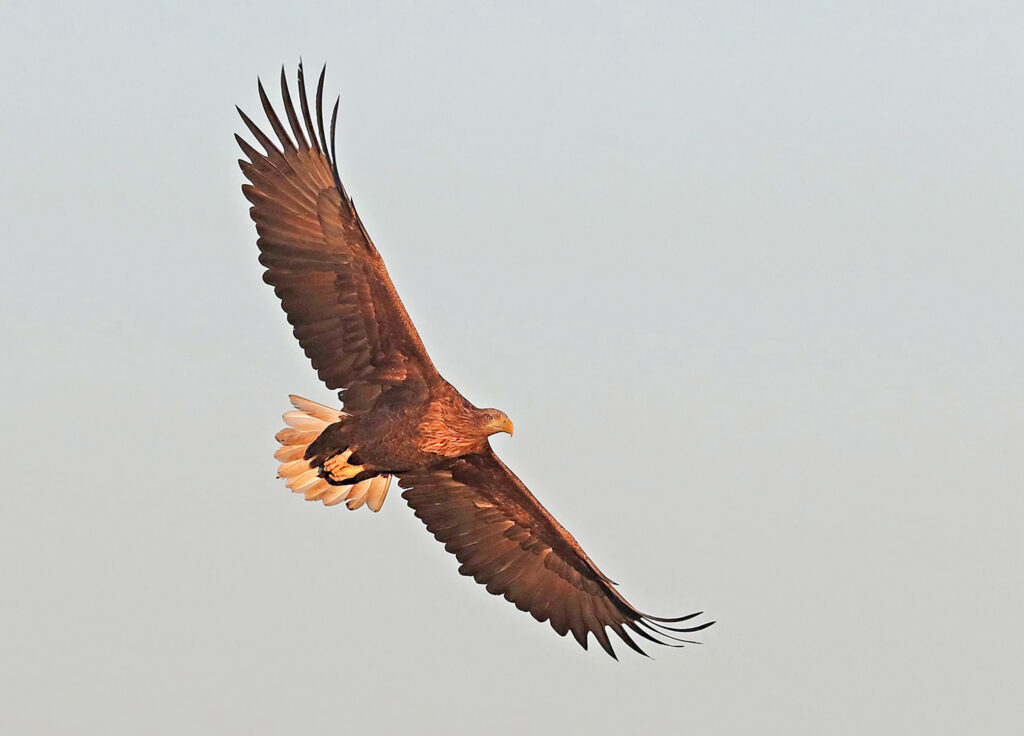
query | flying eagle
(400,417)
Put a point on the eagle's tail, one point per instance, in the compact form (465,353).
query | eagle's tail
(305,424)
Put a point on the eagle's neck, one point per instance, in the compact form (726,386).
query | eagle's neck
(450,427)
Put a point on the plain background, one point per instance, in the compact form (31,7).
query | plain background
(747,277)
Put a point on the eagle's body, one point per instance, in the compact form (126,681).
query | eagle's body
(404,432)
(401,418)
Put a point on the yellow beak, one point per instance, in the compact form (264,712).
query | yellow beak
(506,426)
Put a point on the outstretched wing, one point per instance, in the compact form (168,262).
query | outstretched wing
(507,541)
(322,264)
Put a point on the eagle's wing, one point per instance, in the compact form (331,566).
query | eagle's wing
(507,541)
(322,264)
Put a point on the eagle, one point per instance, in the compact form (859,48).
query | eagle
(400,418)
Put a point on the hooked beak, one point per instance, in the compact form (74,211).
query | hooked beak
(506,426)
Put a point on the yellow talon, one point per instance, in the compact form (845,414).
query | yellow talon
(349,471)
(338,469)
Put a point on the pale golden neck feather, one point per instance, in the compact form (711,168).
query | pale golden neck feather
(449,428)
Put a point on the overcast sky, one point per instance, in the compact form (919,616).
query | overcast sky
(748,277)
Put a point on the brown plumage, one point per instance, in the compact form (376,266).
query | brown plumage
(401,418)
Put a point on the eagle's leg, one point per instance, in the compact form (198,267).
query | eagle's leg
(338,469)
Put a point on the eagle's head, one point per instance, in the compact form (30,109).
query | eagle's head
(492,421)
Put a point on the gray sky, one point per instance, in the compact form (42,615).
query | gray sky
(747,277)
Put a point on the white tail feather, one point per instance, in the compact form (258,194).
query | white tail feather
(287,453)
(298,420)
(305,424)
(303,479)
(378,491)
(334,495)
(357,496)
(293,468)
(313,409)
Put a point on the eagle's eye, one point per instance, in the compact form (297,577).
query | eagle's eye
(488,417)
